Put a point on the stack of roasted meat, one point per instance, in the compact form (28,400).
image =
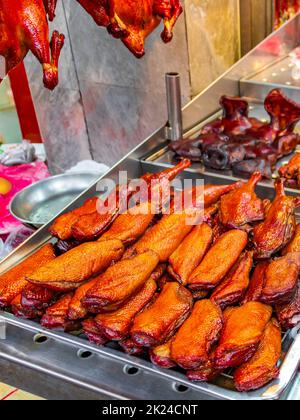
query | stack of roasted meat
(24,27)
(203,297)
(243,144)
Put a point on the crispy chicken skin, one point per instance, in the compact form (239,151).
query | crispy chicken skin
(234,287)
(70,270)
(93,334)
(289,315)
(120,282)
(22,312)
(194,340)
(279,225)
(281,280)
(294,245)
(62,227)
(56,317)
(157,324)
(256,283)
(37,297)
(242,334)
(190,253)
(13,282)
(161,355)
(242,206)
(219,260)
(76,309)
(116,325)
(262,368)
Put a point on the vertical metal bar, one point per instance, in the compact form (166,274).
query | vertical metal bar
(174,125)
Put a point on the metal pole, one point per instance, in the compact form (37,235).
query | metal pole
(174,125)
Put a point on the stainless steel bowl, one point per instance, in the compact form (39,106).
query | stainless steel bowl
(37,204)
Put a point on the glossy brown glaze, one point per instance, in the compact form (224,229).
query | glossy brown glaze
(56,316)
(161,355)
(76,309)
(93,334)
(289,314)
(257,283)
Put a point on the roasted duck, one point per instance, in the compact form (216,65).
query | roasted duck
(13,282)
(233,288)
(257,283)
(281,279)
(190,253)
(291,172)
(70,270)
(21,311)
(133,21)
(76,309)
(194,340)
(157,324)
(262,368)
(279,225)
(161,355)
(93,334)
(56,317)
(294,245)
(242,207)
(116,325)
(242,334)
(219,260)
(24,28)
(120,283)
(289,314)
(37,297)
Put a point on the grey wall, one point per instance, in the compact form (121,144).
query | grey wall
(107,100)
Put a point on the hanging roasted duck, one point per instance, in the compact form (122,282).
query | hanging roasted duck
(133,21)
(24,28)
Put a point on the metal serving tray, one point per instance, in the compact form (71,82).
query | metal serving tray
(44,360)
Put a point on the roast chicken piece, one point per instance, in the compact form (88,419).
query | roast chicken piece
(116,325)
(281,279)
(76,308)
(257,283)
(37,297)
(70,270)
(195,339)
(161,355)
(279,225)
(294,245)
(289,315)
(21,311)
(24,28)
(62,227)
(205,373)
(242,206)
(190,253)
(242,334)
(291,171)
(262,368)
(233,288)
(158,323)
(219,260)
(120,282)
(56,317)
(93,334)
(13,282)
(91,226)
(133,21)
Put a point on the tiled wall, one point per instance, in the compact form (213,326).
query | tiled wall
(108,101)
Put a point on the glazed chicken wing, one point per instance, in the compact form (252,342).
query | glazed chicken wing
(194,340)
(257,283)
(56,316)
(190,253)
(161,355)
(262,368)
(279,225)
(234,287)
(289,314)
(242,334)
(13,282)
(93,334)
(116,325)
(70,270)
(157,324)
(281,280)
(120,282)
(76,309)
(242,206)
(219,260)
